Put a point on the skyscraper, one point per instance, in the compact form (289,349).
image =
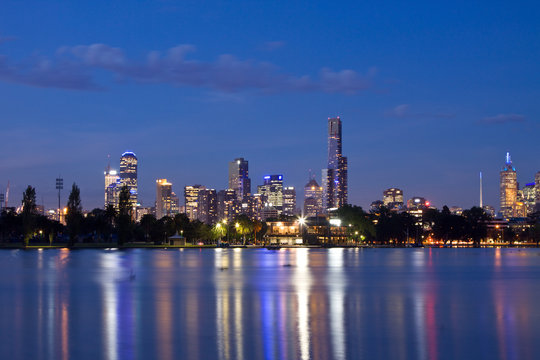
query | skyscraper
(111,184)
(289,201)
(239,179)
(207,210)
(335,175)
(191,196)
(228,205)
(165,202)
(313,199)
(508,188)
(128,175)
(393,198)
(272,189)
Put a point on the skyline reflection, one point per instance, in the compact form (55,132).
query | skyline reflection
(258,304)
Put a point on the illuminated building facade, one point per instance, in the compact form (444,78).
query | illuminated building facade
(335,175)
(313,199)
(112,187)
(537,188)
(239,179)
(191,197)
(128,175)
(207,211)
(527,197)
(508,188)
(289,201)
(228,205)
(272,190)
(393,198)
(166,199)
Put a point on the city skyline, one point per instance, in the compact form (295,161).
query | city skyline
(188,87)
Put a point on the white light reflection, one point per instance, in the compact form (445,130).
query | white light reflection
(302,281)
(336,285)
(110,262)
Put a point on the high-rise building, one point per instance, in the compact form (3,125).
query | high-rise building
(537,188)
(111,186)
(166,204)
(508,188)
(313,199)
(289,201)
(335,175)
(191,197)
(527,196)
(228,205)
(393,198)
(128,175)
(272,189)
(207,210)
(239,179)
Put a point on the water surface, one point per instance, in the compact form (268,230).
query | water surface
(260,304)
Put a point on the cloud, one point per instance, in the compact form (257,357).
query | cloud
(41,72)
(404,111)
(7,38)
(503,119)
(75,67)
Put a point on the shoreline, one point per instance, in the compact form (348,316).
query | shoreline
(105,246)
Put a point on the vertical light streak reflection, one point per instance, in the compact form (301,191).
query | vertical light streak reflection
(164,314)
(302,281)
(65,331)
(238,329)
(110,263)
(337,301)
(419,306)
(223,328)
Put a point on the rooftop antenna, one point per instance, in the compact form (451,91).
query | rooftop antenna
(481,200)
(508,159)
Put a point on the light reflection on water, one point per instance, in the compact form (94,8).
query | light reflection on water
(258,304)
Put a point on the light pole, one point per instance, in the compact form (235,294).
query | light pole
(302,222)
(59,186)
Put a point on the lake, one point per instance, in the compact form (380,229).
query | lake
(261,304)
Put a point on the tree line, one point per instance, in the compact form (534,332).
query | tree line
(117,226)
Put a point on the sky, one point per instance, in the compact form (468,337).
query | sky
(429,93)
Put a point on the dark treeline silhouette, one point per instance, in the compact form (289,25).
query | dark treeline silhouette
(117,226)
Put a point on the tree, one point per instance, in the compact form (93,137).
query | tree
(147,223)
(74,214)
(476,222)
(28,213)
(123,221)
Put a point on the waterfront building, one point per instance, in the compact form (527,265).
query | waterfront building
(239,179)
(272,189)
(191,197)
(416,206)
(165,202)
(527,196)
(252,205)
(269,212)
(289,201)
(313,199)
(207,210)
(228,205)
(393,198)
(335,175)
(128,175)
(508,188)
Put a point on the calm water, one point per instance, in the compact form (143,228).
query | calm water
(260,304)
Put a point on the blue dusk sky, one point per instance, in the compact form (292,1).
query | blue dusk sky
(430,93)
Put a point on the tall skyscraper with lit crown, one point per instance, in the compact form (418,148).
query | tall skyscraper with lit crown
(508,188)
(239,179)
(128,175)
(334,177)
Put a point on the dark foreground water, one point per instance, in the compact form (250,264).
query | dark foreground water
(260,304)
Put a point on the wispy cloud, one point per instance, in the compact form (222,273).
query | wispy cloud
(503,119)
(404,111)
(74,68)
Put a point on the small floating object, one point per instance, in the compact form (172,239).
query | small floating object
(223,268)
(273,247)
